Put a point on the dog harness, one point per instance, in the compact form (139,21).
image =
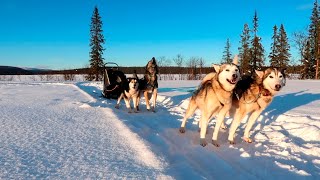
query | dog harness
(262,91)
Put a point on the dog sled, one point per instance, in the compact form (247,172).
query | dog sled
(113,80)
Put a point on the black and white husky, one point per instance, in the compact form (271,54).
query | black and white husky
(130,91)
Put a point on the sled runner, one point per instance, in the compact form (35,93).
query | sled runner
(113,80)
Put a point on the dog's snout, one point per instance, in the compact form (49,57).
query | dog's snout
(235,76)
(278,86)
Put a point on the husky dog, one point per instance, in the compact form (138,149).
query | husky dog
(149,84)
(214,96)
(252,95)
(130,91)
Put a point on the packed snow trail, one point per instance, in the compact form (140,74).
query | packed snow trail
(54,131)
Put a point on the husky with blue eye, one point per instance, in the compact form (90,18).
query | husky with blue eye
(213,97)
(252,95)
(130,91)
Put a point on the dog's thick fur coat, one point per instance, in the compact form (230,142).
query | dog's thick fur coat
(251,96)
(214,96)
(130,91)
(149,84)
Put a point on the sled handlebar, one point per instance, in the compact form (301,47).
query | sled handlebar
(111,65)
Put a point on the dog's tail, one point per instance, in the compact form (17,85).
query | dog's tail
(208,77)
(202,87)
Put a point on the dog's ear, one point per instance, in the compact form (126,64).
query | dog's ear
(134,75)
(259,73)
(154,60)
(283,70)
(235,60)
(216,67)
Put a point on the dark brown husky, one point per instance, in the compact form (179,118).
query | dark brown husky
(149,84)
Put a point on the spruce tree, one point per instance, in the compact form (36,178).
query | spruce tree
(306,65)
(96,41)
(226,58)
(274,54)
(284,48)
(313,39)
(244,50)
(257,50)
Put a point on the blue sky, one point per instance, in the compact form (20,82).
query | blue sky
(55,33)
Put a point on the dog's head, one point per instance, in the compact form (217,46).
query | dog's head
(152,66)
(228,74)
(272,79)
(133,83)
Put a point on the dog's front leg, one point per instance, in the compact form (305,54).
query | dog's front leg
(203,131)
(189,112)
(146,97)
(118,102)
(135,103)
(220,120)
(154,98)
(138,100)
(234,125)
(127,101)
(251,121)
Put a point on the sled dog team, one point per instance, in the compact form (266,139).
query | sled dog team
(224,91)
(220,93)
(132,88)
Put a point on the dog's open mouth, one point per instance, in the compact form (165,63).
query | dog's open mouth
(232,81)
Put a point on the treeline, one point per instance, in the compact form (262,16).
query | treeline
(252,54)
(163,70)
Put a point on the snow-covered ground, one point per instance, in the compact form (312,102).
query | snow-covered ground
(68,131)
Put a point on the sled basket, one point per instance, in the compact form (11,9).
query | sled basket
(113,80)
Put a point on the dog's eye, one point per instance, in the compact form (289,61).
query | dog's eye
(227,70)
(271,77)
(237,70)
(280,76)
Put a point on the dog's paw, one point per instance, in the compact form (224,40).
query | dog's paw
(203,142)
(247,140)
(224,127)
(232,142)
(117,106)
(215,143)
(182,130)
